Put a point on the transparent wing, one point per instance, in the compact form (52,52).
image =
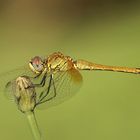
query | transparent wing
(10,76)
(63,86)
(9,90)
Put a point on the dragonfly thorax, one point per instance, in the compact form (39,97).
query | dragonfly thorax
(59,62)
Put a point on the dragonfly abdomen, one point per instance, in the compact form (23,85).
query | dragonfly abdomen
(85,65)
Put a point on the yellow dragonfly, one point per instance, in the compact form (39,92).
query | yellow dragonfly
(55,78)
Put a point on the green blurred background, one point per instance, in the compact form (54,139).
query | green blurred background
(107,106)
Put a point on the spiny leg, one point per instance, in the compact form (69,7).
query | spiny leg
(48,92)
(42,83)
(41,97)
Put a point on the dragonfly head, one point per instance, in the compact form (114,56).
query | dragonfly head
(36,64)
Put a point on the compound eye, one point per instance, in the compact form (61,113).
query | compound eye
(36,64)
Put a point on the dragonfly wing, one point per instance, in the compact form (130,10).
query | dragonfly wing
(9,90)
(63,86)
(8,78)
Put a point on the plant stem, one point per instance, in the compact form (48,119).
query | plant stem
(33,125)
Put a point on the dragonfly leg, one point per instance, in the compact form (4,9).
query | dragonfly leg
(41,97)
(41,84)
(37,75)
(41,101)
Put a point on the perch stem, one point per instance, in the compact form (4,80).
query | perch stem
(33,125)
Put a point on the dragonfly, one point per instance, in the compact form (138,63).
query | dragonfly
(52,79)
